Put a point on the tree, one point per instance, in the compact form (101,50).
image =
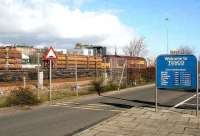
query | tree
(135,47)
(150,62)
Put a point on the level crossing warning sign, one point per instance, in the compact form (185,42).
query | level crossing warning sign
(51,54)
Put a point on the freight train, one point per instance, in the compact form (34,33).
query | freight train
(11,59)
(13,66)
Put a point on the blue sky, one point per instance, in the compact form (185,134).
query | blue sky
(144,18)
(147,17)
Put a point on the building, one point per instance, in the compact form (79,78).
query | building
(91,50)
(82,51)
(25,49)
(181,51)
(131,62)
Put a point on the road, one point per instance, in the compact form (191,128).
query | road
(68,117)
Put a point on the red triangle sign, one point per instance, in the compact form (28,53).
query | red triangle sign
(51,54)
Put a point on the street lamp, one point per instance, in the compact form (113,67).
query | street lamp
(167,19)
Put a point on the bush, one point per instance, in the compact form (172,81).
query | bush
(97,85)
(123,85)
(111,85)
(22,96)
(3,102)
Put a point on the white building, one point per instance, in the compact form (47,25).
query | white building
(81,51)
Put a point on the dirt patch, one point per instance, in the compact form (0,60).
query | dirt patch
(56,84)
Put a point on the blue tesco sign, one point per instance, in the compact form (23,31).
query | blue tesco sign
(176,72)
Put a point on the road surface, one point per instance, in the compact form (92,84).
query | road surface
(68,117)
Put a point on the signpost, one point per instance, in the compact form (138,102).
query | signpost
(176,72)
(39,78)
(51,55)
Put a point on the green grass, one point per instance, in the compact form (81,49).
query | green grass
(3,102)
(44,96)
(67,94)
(62,94)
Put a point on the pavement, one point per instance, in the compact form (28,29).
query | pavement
(67,117)
(146,122)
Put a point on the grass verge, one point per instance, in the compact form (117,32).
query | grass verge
(67,93)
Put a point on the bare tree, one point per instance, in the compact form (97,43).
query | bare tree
(135,47)
(150,61)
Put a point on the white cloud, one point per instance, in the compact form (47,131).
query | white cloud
(47,21)
(79,3)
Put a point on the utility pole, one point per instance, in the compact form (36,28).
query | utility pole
(111,69)
(167,38)
(105,71)
(76,77)
(38,70)
(140,72)
(122,75)
(96,64)
(7,56)
(127,72)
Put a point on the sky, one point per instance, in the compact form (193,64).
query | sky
(111,23)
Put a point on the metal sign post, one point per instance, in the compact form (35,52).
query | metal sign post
(50,67)
(197,97)
(156,93)
(156,100)
(50,56)
(38,70)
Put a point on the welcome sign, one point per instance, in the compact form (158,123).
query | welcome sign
(176,72)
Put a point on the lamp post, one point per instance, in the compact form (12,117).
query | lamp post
(167,42)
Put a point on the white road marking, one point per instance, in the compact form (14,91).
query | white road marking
(181,103)
(102,105)
(70,102)
(188,115)
(75,103)
(117,110)
(85,107)
(60,104)
(57,105)
(190,104)
(90,106)
(76,107)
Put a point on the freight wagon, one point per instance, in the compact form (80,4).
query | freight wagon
(10,58)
